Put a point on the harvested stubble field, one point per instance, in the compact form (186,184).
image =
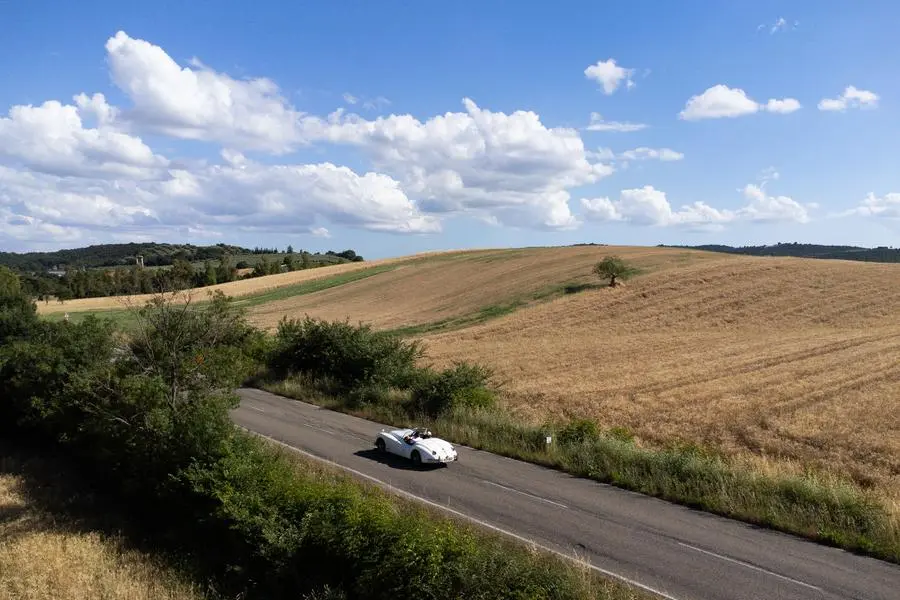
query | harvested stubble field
(244,287)
(791,362)
(44,554)
(787,363)
(464,285)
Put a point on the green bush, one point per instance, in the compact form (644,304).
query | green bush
(464,385)
(578,432)
(147,419)
(39,373)
(621,433)
(351,356)
(18,313)
(294,531)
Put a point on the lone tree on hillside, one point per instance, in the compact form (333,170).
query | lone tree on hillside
(613,268)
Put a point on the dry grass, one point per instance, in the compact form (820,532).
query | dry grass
(787,358)
(42,556)
(430,291)
(235,288)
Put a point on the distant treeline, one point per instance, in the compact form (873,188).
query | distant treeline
(154,255)
(882,254)
(111,270)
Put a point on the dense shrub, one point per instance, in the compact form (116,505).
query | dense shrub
(39,373)
(578,432)
(464,385)
(311,532)
(146,417)
(18,314)
(351,356)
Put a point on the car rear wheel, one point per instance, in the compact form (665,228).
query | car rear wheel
(416,458)
(379,443)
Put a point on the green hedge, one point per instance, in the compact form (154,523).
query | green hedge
(146,418)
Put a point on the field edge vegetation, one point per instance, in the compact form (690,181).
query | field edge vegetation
(144,419)
(374,374)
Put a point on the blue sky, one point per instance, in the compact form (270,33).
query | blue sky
(145,160)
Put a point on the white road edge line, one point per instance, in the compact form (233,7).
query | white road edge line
(749,566)
(559,504)
(462,515)
(255,408)
(322,429)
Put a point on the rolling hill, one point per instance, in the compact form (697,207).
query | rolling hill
(784,362)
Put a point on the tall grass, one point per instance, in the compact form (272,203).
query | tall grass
(49,550)
(817,507)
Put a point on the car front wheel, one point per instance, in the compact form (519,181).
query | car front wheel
(379,443)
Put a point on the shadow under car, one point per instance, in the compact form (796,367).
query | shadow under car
(394,461)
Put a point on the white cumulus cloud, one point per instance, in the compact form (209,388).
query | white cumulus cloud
(199,103)
(52,138)
(610,75)
(649,206)
(887,206)
(763,207)
(788,105)
(721,101)
(851,97)
(508,166)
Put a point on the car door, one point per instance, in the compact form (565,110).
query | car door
(396,445)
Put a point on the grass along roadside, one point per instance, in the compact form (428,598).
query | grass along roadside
(57,542)
(465,559)
(45,552)
(817,506)
(149,435)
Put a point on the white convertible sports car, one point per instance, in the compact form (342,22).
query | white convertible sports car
(418,445)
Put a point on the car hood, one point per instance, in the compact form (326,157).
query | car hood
(438,445)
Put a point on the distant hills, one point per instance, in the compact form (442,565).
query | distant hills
(154,255)
(881,254)
(115,269)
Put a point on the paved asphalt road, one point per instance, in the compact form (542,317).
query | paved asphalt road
(669,549)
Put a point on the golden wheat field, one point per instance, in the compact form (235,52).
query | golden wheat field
(43,557)
(787,358)
(781,358)
(236,289)
(460,284)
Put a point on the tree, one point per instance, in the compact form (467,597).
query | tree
(210,275)
(18,313)
(182,273)
(613,268)
(290,249)
(227,271)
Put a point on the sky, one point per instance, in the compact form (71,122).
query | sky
(397,127)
